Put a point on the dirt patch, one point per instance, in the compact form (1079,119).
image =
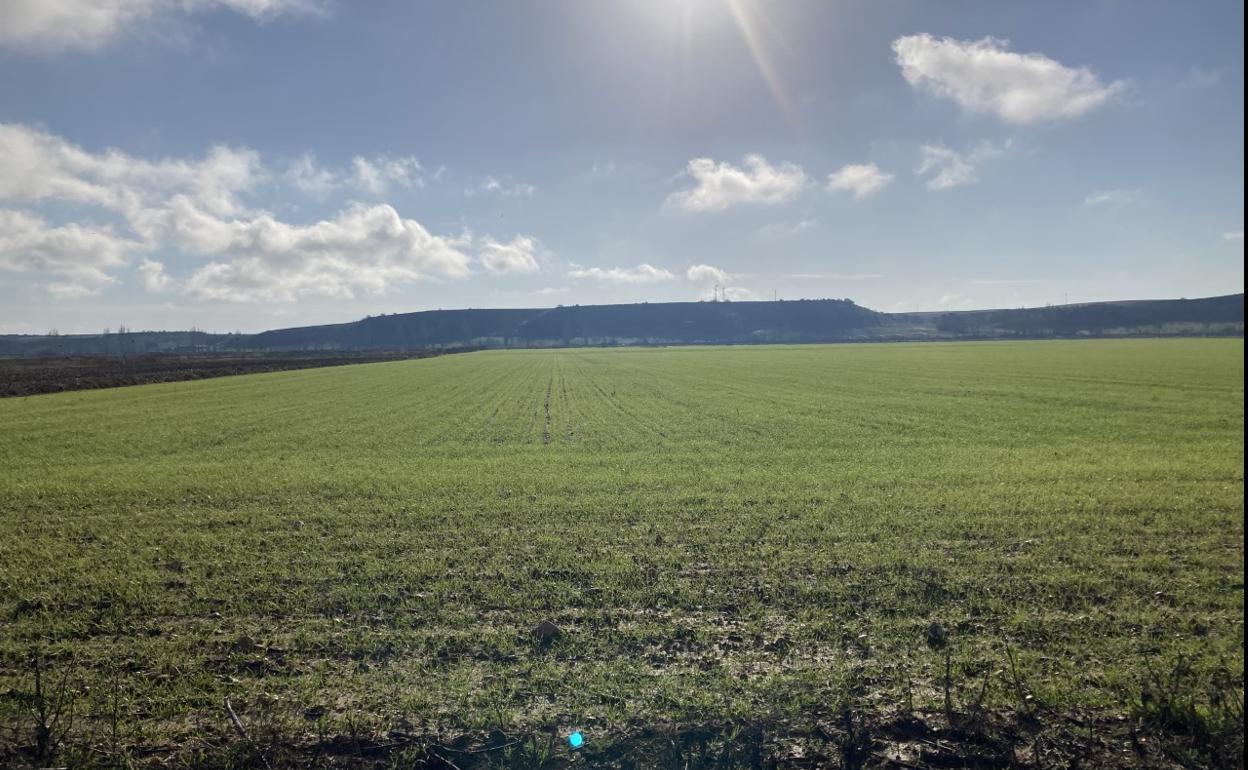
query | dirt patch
(850,740)
(33,376)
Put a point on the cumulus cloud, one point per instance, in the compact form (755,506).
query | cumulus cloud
(152,275)
(707,274)
(363,248)
(1235,235)
(643,273)
(718,284)
(36,166)
(721,185)
(80,256)
(60,25)
(947,168)
(862,180)
(984,76)
(199,208)
(517,256)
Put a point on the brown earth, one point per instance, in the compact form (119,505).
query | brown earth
(33,376)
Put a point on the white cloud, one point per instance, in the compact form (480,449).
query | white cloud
(377,174)
(36,166)
(69,290)
(59,25)
(947,168)
(983,76)
(516,256)
(81,256)
(198,208)
(708,274)
(152,275)
(862,180)
(720,185)
(1111,198)
(312,179)
(502,187)
(643,273)
(363,248)
(370,175)
(717,284)
(1236,235)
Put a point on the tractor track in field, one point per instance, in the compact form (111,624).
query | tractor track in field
(546,406)
(569,427)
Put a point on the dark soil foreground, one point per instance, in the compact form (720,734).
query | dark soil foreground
(33,376)
(1033,739)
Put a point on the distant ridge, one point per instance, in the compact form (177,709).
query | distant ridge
(673,323)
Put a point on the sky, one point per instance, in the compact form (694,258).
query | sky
(239,165)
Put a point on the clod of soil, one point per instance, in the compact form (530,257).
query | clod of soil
(547,632)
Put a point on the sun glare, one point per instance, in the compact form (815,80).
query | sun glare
(686,20)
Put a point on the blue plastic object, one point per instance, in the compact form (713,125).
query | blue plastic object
(576,740)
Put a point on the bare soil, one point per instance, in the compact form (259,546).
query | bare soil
(33,376)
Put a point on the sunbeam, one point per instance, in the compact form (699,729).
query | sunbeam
(753,26)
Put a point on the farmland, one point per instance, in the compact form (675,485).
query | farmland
(804,545)
(33,376)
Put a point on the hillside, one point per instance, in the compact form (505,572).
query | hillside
(1160,317)
(670,323)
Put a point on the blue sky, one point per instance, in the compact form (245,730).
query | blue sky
(248,164)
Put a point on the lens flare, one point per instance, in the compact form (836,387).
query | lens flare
(751,22)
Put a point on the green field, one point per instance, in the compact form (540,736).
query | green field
(760,537)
